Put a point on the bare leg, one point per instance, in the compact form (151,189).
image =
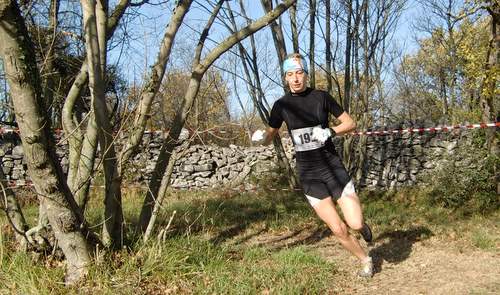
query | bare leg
(351,208)
(325,209)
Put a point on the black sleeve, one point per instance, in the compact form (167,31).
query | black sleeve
(275,119)
(332,106)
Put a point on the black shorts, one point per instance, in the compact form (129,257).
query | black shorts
(323,176)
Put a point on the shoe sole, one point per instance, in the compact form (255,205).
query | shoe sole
(366,233)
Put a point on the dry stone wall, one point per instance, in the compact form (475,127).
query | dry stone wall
(392,161)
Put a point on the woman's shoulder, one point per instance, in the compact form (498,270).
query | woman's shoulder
(322,94)
(318,92)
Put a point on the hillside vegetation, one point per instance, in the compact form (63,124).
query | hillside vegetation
(270,242)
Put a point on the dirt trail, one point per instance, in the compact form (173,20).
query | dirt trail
(407,262)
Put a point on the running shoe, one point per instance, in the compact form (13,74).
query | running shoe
(366,233)
(366,270)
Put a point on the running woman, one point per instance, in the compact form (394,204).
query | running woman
(322,175)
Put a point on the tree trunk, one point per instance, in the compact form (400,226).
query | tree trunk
(312,32)
(95,25)
(187,103)
(70,126)
(346,99)
(488,106)
(14,213)
(82,149)
(153,84)
(284,162)
(48,65)
(347,69)
(24,81)
(293,24)
(277,33)
(86,164)
(177,154)
(444,96)
(365,87)
(328,53)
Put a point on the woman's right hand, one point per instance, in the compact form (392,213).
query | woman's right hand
(258,135)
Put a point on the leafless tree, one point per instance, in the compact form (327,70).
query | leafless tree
(293,24)
(312,33)
(13,212)
(249,61)
(199,68)
(25,86)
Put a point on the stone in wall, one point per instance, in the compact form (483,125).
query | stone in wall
(392,160)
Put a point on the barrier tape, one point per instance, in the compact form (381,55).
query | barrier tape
(19,183)
(14,184)
(431,129)
(4,130)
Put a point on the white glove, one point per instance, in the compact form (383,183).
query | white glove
(258,135)
(184,134)
(321,134)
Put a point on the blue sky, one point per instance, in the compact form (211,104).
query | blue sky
(138,55)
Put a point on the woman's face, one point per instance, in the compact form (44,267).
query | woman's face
(296,80)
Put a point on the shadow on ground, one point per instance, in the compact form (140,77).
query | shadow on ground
(396,246)
(229,215)
(308,235)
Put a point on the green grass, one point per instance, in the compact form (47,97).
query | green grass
(20,274)
(207,249)
(182,264)
(482,240)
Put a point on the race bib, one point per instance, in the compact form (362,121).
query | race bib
(302,139)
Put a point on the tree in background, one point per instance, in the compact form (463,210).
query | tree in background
(210,113)
(442,22)
(489,101)
(367,37)
(249,60)
(199,68)
(423,82)
(6,112)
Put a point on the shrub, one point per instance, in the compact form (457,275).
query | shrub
(468,185)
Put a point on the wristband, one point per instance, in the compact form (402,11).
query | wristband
(332,132)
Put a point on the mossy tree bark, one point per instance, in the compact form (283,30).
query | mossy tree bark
(23,77)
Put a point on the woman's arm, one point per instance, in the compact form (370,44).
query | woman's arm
(269,135)
(346,125)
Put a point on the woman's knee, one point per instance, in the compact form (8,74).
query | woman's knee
(356,225)
(351,209)
(340,230)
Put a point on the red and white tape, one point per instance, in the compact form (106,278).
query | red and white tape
(430,129)
(17,183)
(20,183)
(4,130)
(13,183)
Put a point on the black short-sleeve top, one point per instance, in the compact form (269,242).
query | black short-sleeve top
(302,110)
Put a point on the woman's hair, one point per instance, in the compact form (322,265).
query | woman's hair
(294,61)
(294,55)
